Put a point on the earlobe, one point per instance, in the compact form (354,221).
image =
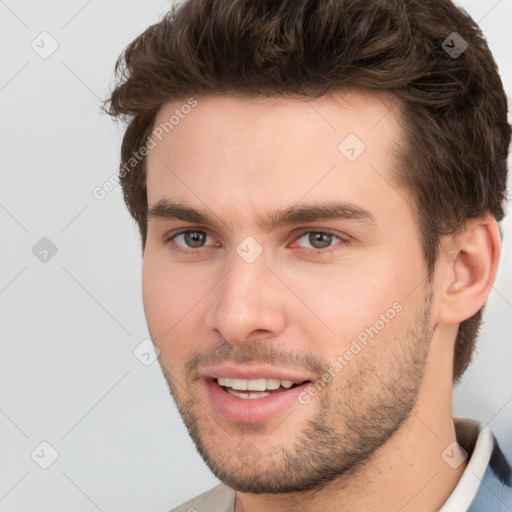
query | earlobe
(470,269)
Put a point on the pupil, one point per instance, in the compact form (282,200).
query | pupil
(320,240)
(194,238)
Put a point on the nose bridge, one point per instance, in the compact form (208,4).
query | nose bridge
(245,300)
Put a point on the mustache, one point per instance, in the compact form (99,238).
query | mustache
(261,352)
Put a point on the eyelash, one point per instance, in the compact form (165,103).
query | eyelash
(177,248)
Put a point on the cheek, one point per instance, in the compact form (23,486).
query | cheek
(351,306)
(167,297)
(175,308)
(164,300)
(346,301)
(157,299)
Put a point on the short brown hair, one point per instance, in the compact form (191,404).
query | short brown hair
(454,106)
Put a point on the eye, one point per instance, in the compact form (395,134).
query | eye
(319,240)
(189,239)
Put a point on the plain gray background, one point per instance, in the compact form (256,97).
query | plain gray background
(69,324)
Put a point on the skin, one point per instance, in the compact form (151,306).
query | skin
(373,437)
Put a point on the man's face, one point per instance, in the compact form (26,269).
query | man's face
(268,290)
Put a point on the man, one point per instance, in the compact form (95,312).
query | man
(318,187)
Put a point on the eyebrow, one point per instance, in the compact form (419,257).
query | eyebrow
(296,214)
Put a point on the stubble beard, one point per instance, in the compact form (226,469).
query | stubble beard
(356,414)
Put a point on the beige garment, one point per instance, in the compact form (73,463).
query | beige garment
(218,499)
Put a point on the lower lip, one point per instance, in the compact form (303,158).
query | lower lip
(252,410)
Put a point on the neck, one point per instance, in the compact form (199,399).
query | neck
(407,473)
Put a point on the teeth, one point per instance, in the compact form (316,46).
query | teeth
(272,383)
(240,384)
(260,394)
(254,384)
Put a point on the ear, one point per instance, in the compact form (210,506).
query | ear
(470,263)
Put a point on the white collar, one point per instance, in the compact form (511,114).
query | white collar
(464,493)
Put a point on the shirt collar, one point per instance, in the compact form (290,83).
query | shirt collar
(477,440)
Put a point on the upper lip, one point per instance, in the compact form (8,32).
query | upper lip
(252,372)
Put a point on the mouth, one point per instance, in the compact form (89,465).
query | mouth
(255,388)
(253,400)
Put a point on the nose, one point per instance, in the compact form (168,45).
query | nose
(248,300)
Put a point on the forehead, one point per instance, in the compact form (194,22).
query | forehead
(240,154)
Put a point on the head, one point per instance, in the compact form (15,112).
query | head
(249,122)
